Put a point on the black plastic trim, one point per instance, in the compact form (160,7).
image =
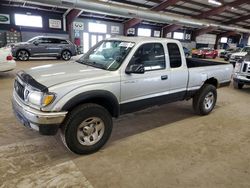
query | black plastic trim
(104,96)
(225,84)
(142,104)
(26,78)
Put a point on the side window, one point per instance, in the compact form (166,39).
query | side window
(44,41)
(63,42)
(151,55)
(174,55)
(54,41)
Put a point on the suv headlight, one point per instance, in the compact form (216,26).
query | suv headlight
(40,99)
(237,67)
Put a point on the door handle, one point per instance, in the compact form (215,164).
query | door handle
(164,77)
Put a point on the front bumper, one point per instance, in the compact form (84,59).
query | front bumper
(242,79)
(47,123)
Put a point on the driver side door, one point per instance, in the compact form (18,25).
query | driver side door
(139,90)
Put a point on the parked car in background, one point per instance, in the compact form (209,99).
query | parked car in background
(223,53)
(219,51)
(117,76)
(7,61)
(239,55)
(204,53)
(186,52)
(44,46)
(241,75)
(229,53)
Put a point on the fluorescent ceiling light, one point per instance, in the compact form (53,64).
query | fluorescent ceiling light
(214,2)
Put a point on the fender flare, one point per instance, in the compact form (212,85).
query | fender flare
(101,97)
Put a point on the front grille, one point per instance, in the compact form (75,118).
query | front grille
(19,88)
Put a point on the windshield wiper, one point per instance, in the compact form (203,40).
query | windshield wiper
(93,64)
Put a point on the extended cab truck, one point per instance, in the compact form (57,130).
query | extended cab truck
(117,76)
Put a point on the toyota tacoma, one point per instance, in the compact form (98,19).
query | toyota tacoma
(117,76)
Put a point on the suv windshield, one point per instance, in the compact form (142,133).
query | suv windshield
(107,54)
(32,39)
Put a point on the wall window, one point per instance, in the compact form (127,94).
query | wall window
(97,27)
(223,40)
(151,55)
(144,32)
(28,20)
(174,55)
(178,35)
(85,42)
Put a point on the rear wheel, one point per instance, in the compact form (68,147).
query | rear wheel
(23,55)
(66,55)
(205,99)
(87,129)
(238,85)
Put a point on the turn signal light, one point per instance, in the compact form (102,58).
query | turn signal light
(9,58)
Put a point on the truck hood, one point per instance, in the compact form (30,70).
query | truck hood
(239,54)
(54,74)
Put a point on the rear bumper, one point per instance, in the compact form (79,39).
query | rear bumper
(47,123)
(7,66)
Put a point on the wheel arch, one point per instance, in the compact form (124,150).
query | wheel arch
(24,50)
(213,81)
(100,97)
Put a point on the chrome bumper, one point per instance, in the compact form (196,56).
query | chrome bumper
(36,119)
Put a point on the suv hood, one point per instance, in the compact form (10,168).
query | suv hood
(54,74)
(239,54)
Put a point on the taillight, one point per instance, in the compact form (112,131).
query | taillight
(9,58)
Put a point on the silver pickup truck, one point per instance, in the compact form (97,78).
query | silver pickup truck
(241,74)
(117,76)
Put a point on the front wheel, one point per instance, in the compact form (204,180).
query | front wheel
(238,85)
(205,99)
(66,55)
(87,128)
(23,55)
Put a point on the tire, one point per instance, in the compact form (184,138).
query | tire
(66,55)
(23,55)
(205,99)
(82,123)
(238,85)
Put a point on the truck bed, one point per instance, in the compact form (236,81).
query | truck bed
(202,70)
(195,62)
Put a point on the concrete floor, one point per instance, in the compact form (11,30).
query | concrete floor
(167,146)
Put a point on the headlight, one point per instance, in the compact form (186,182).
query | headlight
(40,99)
(237,67)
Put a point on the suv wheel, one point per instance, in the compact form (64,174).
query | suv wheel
(87,128)
(23,55)
(238,85)
(205,99)
(66,55)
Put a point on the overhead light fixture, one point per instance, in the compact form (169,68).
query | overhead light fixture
(214,2)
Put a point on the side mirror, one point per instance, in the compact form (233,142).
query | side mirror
(136,69)
(36,42)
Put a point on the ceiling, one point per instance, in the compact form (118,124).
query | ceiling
(231,12)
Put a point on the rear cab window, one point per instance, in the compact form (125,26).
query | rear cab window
(175,59)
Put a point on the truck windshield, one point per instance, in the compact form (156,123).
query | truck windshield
(246,49)
(107,54)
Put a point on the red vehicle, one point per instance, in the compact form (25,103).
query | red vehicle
(205,53)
